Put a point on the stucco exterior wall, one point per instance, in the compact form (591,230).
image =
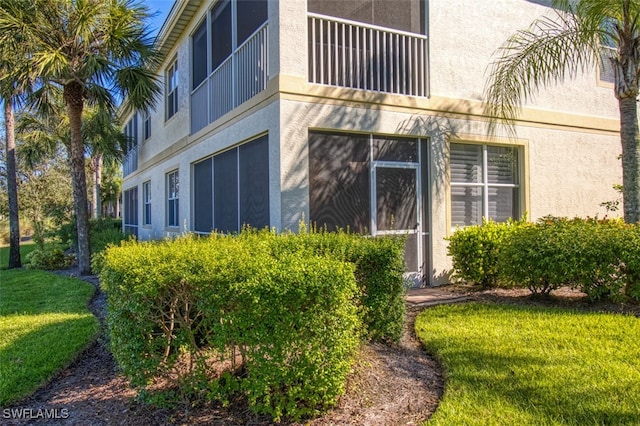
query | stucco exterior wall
(567,135)
(465,34)
(564,172)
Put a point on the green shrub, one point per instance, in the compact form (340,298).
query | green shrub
(284,324)
(582,253)
(475,250)
(535,256)
(102,238)
(379,264)
(631,261)
(67,232)
(594,260)
(50,257)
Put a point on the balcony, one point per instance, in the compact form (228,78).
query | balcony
(240,77)
(360,56)
(130,161)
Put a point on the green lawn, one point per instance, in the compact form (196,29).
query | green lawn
(25,248)
(44,324)
(513,365)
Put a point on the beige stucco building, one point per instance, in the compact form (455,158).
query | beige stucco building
(364,114)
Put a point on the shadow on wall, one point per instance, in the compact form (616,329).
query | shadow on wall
(295,184)
(438,128)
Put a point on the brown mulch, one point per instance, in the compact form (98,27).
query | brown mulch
(389,385)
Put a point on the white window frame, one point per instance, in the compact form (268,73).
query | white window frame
(146,124)
(146,203)
(173,199)
(485,185)
(172,103)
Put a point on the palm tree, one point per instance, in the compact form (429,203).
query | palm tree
(10,90)
(93,50)
(554,48)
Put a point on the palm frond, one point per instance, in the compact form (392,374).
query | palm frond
(551,50)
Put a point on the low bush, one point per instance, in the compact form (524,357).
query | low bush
(67,232)
(583,253)
(50,257)
(379,268)
(475,251)
(215,316)
(630,248)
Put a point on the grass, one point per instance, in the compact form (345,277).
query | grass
(509,365)
(25,248)
(44,324)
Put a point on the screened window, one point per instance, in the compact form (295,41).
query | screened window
(250,16)
(405,15)
(225,177)
(146,124)
(484,183)
(221,38)
(131,133)
(146,200)
(339,181)
(173,186)
(231,189)
(172,89)
(199,55)
(130,218)
(606,69)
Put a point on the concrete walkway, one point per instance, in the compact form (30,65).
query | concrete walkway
(431,296)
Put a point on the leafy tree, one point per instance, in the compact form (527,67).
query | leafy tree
(45,194)
(92,50)
(561,46)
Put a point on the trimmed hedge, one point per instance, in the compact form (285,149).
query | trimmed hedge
(277,318)
(379,268)
(598,256)
(475,251)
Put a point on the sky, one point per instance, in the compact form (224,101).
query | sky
(160,8)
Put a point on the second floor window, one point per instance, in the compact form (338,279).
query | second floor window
(172,90)
(146,124)
(131,133)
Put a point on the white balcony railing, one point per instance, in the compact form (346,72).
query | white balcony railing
(360,56)
(240,77)
(130,161)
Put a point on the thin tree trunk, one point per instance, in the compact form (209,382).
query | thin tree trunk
(630,159)
(94,191)
(74,103)
(98,186)
(12,187)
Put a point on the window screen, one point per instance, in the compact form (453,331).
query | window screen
(203,196)
(199,55)
(405,15)
(395,149)
(251,15)
(221,40)
(131,211)
(254,183)
(225,189)
(339,181)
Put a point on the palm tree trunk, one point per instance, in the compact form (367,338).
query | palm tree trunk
(630,159)
(12,187)
(74,102)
